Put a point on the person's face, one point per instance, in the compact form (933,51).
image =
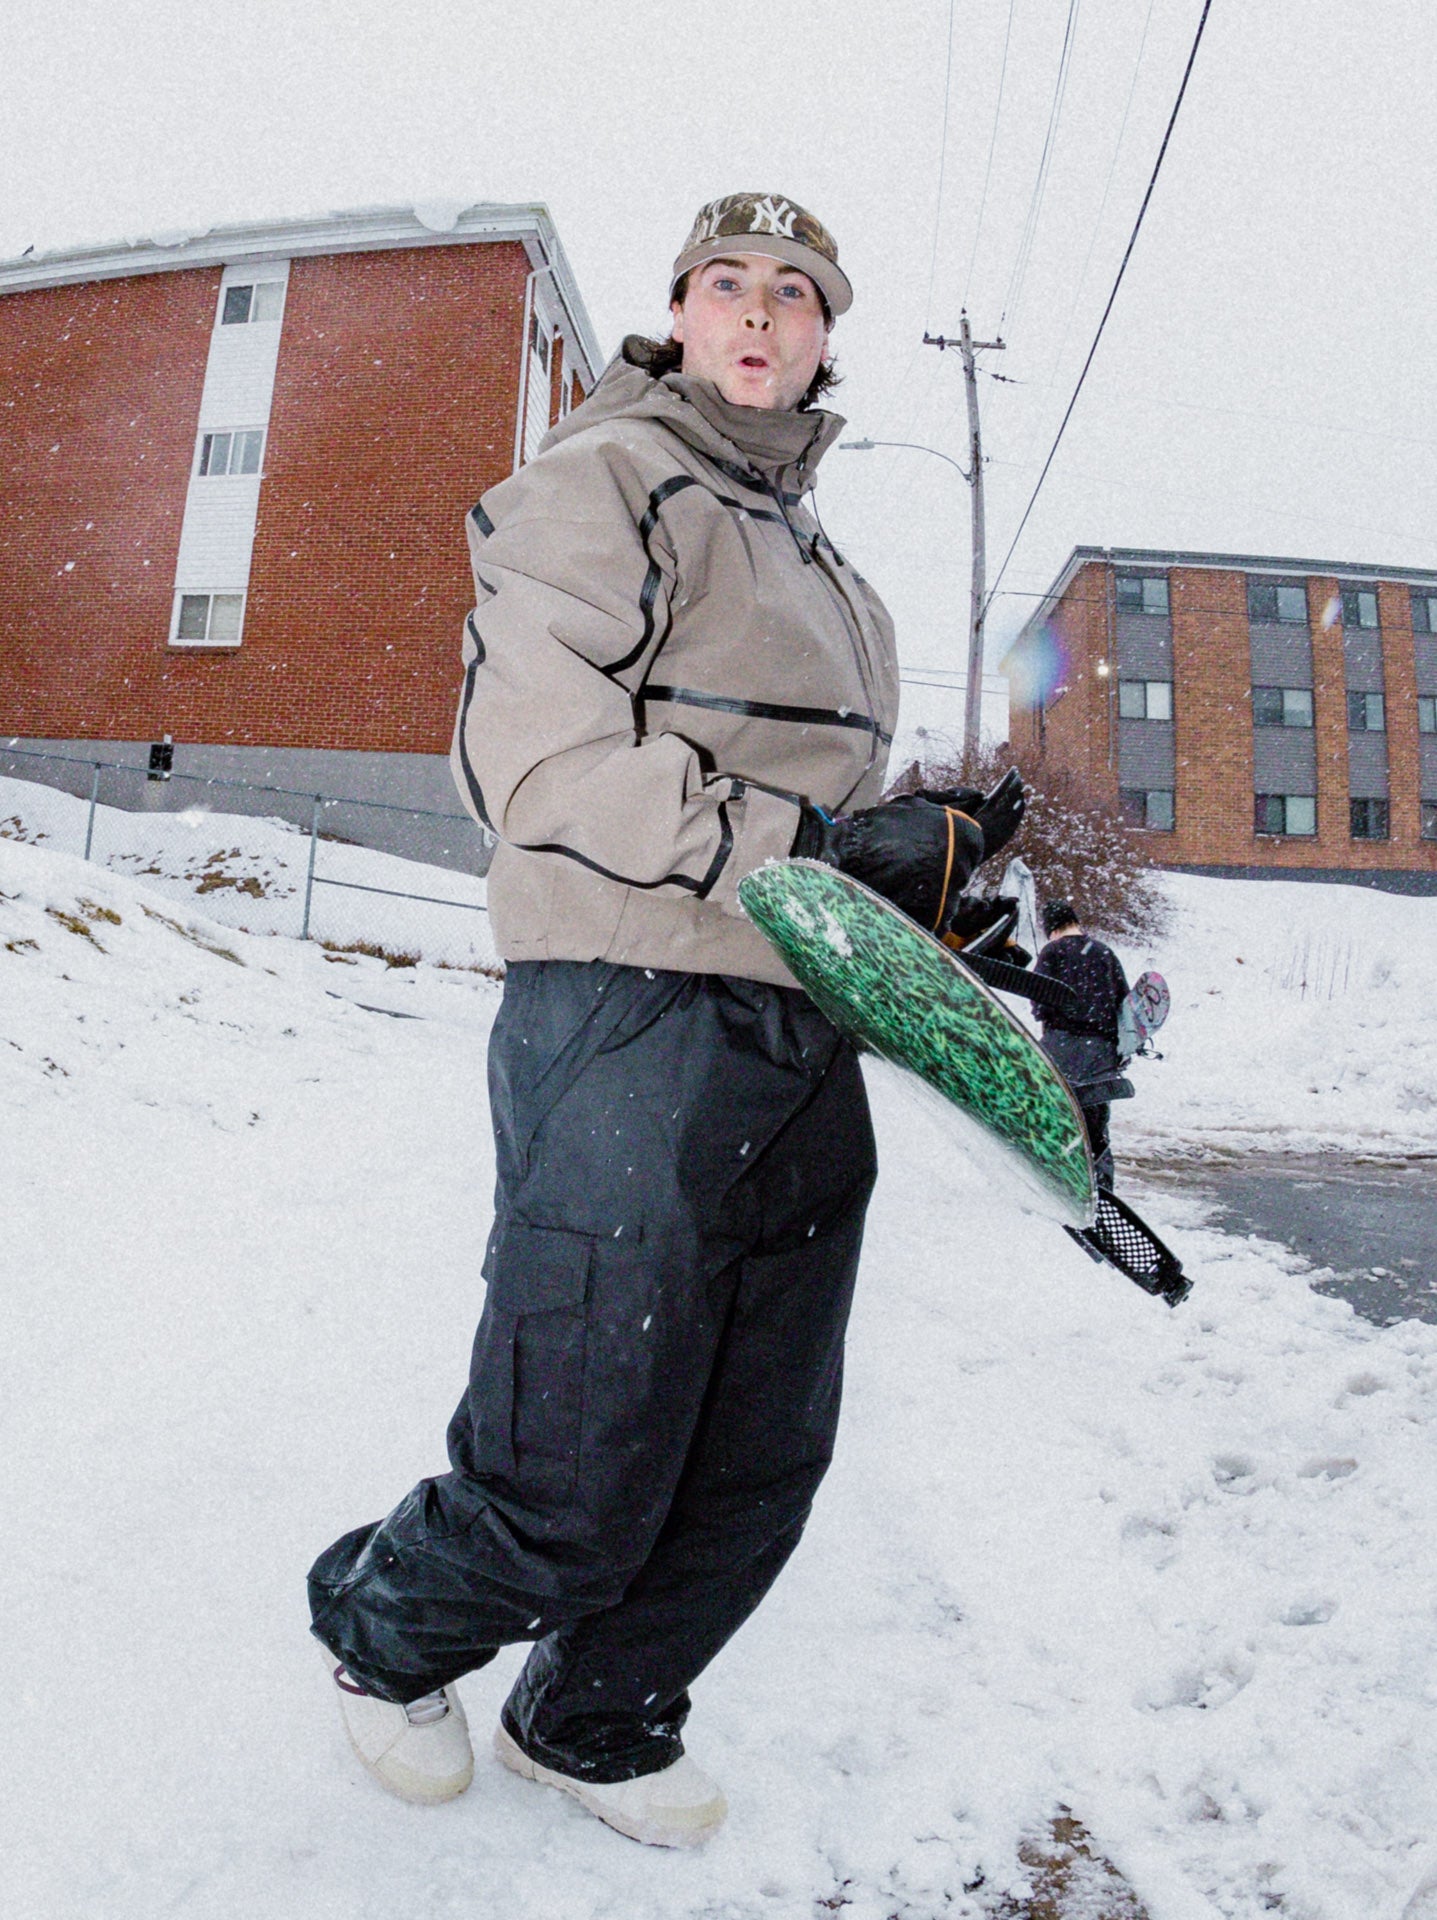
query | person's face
(754,327)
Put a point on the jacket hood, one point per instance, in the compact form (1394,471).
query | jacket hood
(783,446)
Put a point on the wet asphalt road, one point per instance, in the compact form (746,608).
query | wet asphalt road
(1372,1222)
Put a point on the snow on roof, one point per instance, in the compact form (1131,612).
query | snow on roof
(427,223)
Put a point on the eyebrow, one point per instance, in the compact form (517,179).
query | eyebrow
(727,260)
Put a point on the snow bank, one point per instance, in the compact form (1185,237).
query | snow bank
(253,874)
(1172,1569)
(1302,1018)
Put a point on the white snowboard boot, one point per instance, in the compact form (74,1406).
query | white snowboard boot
(420,1752)
(677,1807)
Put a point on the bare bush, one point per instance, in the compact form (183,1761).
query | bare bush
(1077,847)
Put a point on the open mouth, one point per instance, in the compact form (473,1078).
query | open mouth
(755,361)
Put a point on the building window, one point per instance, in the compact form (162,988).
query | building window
(1359,607)
(1424,612)
(1285,813)
(252,304)
(231,452)
(539,340)
(1150,807)
(1145,699)
(1429,819)
(1281,707)
(1426,713)
(1369,819)
(208,619)
(1366,713)
(1143,593)
(1270,601)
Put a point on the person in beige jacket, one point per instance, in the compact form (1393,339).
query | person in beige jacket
(670,677)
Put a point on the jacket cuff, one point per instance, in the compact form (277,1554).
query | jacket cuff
(764,827)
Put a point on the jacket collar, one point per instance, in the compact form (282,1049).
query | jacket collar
(784,445)
(781,447)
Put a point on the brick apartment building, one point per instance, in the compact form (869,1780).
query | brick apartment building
(235,472)
(1263,716)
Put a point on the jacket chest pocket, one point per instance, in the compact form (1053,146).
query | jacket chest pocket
(530,1368)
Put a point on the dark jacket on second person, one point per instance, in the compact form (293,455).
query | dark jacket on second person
(1082,1041)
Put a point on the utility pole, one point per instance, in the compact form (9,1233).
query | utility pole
(973,702)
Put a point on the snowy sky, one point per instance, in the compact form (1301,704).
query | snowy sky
(1263,386)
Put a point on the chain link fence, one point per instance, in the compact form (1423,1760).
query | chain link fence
(354,875)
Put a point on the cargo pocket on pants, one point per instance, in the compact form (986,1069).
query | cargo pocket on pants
(534,1419)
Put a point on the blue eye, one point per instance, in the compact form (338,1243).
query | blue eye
(725,284)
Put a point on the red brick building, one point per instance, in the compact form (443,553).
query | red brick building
(235,471)
(1261,715)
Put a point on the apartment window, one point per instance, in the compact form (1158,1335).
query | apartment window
(1366,713)
(1145,699)
(1269,600)
(1359,607)
(1143,593)
(1429,819)
(208,619)
(1426,713)
(1285,813)
(252,304)
(1150,807)
(1281,707)
(1424,612)
(1369,819)
(229,453)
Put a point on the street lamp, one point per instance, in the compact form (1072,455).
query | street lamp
(973,697)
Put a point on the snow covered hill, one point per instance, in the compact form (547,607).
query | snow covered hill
(1304,1016)
(1174,1570)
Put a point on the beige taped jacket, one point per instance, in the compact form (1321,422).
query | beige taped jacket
(666,654)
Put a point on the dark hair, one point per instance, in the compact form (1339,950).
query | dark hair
(1058,913)
(658,357)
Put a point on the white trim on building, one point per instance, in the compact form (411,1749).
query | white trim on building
(366,230)
(217,533)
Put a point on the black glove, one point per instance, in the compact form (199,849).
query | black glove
(977,927)
(1000,812)
(966,799)
(914,853)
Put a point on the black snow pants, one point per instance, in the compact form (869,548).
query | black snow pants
(684,1162)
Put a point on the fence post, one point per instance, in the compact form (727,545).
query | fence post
(94,796)
(309,881)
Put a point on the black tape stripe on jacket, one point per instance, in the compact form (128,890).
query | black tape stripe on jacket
(701,888)
(471,779)
(746,477)
(648,593)
(767,710)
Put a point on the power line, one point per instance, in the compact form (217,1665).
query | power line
(988,170)
(1082,278)
(942,165)
(1127,255)
(1040,184)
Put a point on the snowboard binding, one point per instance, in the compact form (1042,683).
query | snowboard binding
(1125,1241)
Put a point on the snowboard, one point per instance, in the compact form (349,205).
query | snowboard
(1142,1012)
(904,996)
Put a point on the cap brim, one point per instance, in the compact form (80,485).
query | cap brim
(826,275)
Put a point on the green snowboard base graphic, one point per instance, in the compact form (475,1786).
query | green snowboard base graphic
(902,995)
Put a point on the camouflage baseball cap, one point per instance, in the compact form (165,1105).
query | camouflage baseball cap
(767,223)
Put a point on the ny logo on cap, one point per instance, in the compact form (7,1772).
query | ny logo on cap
(739,214)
